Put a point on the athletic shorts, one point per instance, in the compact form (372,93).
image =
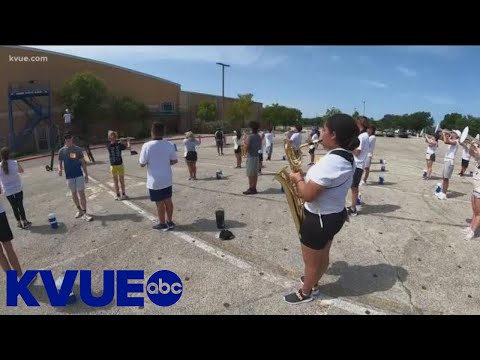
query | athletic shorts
(316,235)
(191,156)
(430,157)
(252,165)
(357,176)
(117,169)
(260,157)
(160,195)
(476,194)
(311,151)
(5,231)
(447,169)
(465,163)
(76,184)
(219,142)
(238,150)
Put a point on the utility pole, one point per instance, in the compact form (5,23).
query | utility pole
(223,90)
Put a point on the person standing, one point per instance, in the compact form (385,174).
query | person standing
(72,156)
(252,145)
(448,162)
(11,184)
(191,157)
(360,155)
(432,145)
(465,159)
(67,119)
(269,143)
(117,168)
(324,190)
(158,156)
(219,140)
(371,147)
(237,148)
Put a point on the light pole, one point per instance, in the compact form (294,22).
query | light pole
(223,90)
(363,107)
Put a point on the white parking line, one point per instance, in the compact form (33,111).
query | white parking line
(242,264)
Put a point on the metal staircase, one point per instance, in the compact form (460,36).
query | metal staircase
(33,100)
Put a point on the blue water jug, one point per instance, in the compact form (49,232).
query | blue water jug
(52,219)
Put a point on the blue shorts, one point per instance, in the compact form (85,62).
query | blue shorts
(160,195)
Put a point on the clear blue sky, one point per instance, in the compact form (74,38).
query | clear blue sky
(391,79)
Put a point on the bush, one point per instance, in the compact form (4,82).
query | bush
(200,127)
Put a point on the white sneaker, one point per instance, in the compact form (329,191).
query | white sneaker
(470,235)
(124,197)
(466,230)
(79,214)
(87,217)
(363,183)
(441,196)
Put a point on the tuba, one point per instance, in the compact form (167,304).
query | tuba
(295,201)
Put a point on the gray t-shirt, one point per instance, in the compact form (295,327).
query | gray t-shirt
(254,142)
(190,144)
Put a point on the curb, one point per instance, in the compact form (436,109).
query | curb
(93,147)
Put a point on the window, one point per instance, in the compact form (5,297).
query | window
(168,107)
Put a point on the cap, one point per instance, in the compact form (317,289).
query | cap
(67,135)
(457,132)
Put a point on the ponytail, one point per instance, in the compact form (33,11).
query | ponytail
(5,155)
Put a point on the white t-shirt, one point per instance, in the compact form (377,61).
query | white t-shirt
(371,141)
(335,174)
(451,151)
(431,148)
(11,183)
(364,147)
(236,142)
(68,118)
(465,153)
(314,137)
(296,139)
(157,154)
(269,139)
(262,136)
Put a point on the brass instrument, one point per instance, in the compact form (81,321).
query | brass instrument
(295,201)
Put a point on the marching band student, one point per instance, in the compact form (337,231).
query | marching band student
(296,138)
(269,143)
(432,145)
(252,143)
(117,168)
(237,147)
(371,147)
(360,155)
(324,190)
(448,161)
(311,149)
(190,144)
(475,199)
(465,159)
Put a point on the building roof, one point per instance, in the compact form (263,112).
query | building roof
(204,94)
(92,61)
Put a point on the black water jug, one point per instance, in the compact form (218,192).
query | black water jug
(220,217)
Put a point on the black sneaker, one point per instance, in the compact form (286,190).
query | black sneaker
(171,225)
(297,298)
(315,290)
(352,212)
(162,227)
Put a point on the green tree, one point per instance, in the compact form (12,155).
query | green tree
(355,114)
(131,114)
(332,111)
(84,95)
(241,109)
(207,111)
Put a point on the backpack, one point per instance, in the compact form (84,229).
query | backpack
(219,135)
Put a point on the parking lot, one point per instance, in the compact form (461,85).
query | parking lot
(403,254)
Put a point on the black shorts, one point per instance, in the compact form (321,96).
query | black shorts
(432,157)
(191,156)
(465,163)
(219,142)
(315,236)
(260,157)
(311,151)
(160,195)
(5,231)
(238,151)
(357,176)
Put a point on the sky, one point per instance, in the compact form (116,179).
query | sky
(389,79)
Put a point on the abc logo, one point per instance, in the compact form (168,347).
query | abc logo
(164,288)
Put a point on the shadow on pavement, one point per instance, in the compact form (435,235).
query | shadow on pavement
(271,191)
(117,217)
(455,194)
(209,225)
(47,230)
(357,280)
(380,208)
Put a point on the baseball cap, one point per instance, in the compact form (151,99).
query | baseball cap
(68,135)
(457,132)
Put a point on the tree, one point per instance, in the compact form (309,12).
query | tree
(355,114)
(207,111)
(242,108)
(129,113)
(84,94)
(332,111)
